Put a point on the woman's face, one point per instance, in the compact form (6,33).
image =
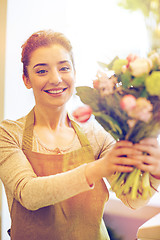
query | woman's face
(51,76)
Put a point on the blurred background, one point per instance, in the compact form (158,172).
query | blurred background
(99,30)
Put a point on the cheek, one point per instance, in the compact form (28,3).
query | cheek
(38,84)
(71,81)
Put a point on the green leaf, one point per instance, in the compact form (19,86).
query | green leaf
(144,93)
(89,96)
(108,66)
(143,130)
(103,65)
(126,79)
(118,64)
(138,81)
(108,123)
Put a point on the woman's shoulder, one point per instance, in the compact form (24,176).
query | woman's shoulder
(93,128)
(98,137)
(13,124)
(12,128)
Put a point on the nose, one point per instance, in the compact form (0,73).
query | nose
(55,77)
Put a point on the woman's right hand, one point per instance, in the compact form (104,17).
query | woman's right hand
(121,158)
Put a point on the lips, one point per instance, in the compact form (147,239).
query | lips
(55,91)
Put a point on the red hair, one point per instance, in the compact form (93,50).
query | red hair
(43,39)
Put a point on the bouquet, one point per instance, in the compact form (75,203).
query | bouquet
(127,105)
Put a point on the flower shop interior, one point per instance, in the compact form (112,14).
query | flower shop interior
(99,30)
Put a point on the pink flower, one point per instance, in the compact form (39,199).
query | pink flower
(137,109)
(102,76)
(128,102)
(106,87)
(82,114)
(142,111)
(96,84)
(104,84)
(131,58)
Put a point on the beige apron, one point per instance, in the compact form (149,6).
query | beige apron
(77,218)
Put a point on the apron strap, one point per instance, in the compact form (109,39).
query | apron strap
(79,131)
(27,139)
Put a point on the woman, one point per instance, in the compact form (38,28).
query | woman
(54,186)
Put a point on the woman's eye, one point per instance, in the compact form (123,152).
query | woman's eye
(65,69)
(42,71)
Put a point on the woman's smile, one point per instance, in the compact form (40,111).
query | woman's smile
(56,92)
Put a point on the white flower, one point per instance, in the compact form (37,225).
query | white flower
(140,66)
(155,58)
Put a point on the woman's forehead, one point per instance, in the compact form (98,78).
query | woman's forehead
(50,53)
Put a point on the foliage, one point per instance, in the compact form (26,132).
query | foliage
(146,7)
(127,105)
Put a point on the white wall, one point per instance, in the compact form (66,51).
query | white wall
(97,28)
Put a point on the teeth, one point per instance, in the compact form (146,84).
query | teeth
(55,91)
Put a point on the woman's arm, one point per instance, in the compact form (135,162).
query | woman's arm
(31,191)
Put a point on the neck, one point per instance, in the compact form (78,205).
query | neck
(51,118)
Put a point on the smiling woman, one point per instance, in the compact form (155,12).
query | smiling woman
(54,186)
(97,29)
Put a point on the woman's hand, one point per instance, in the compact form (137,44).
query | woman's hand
(121,158)
(149,162)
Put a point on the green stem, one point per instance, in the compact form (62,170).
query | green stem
(135,186)
(130,181)
(117,188)
(146,187)
(131,130)
(116,177)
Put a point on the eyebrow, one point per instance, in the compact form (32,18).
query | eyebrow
(45,64)
(65,61)
(40,64)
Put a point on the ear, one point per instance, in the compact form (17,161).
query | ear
(27,81)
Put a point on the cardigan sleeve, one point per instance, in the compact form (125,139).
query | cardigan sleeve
(22,183)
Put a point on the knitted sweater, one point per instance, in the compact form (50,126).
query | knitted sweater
(34,192)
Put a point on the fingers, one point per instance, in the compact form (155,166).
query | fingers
(125,156)
(126,148)
(150,142)
(123,143)
(149,146)
(120,168)
(126,161)
(149,164)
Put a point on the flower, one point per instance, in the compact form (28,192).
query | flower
(155,58)
(128,102)
(96,84)
(140,66)
(104,84)
(127,106)
(131,57)
(142,110)
(82,114)
(137,109)
(118,64)
(153,83)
